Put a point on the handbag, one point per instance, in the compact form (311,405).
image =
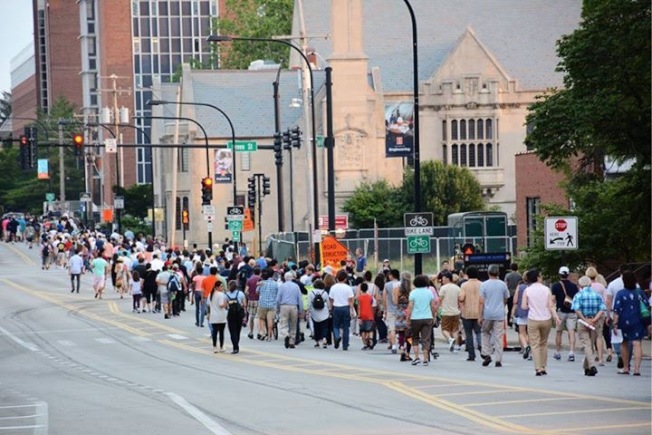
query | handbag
(568,301)
(645,311)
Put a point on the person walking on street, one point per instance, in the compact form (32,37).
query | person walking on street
(341,302)
(537,299)
(390,295)
(450,310)
(290,306)
(493,297)
(628,321)
(75,270)
(421,313)
(319,313)
(590,310)
(100,270)
(267,293)
(512,279)
(251,290)
(236,301)
(470,312)
(564,292)
(520,316)
(217,303)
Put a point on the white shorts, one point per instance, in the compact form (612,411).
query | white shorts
(98,281)
(521,321)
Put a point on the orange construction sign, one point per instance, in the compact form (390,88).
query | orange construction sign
(247,223)
(107,215)
(332,252)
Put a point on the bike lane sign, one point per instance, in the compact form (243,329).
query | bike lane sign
(418,224)
(418,244)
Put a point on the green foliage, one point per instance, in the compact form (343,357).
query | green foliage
(605,106)
(604,110)
(379,201)
(255,19)
(138,198)
(134,224)
(445,190)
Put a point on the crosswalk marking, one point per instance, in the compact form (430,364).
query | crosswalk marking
(66,343)
(177,336)
(105,340)
(140,339)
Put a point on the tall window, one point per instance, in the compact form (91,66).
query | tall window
(471,155)
(444,151)
(463,129)
(532,206)
(480,155)
(463,155)
(454,158)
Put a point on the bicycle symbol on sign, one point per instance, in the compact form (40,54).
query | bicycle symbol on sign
(418,243)
(418,221)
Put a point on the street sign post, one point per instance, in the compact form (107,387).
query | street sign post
(243,145)
(417,224)
(418,244)
(85,197)
(561,233)
(49,197)
(235,226)
(119,202)
(208,211)
(235,236)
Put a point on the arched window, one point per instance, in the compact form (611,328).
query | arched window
(489,129)
(444,133)
(444,152)
(471,156)
(480,129)
(480,155)
(463,129)
(463,155)
(454,157)
(454,129)
(490,155)
(471,129)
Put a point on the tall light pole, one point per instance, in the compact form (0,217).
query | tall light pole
(189,103)
(208,168)
(315,189)
(418,261)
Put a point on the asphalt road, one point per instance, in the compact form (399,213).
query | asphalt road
(71,364)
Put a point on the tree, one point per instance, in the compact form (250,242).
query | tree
(445,189)
(604,110)
(377,201)
(138,198)
(255,19)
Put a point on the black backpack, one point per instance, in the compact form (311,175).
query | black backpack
(318,302)
(173,284)
(235,308)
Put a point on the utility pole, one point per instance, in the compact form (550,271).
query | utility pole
(62,170)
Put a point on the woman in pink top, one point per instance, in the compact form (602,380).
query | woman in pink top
(538,300)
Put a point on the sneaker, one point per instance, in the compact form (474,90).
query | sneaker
(470,359)
(571,357)
(416,362)
(425,363)
(526,353)
(287,342)
(451,344)
(499,364)
(337,343)
(487,361)
(557,356)
(620,363)
(593,371)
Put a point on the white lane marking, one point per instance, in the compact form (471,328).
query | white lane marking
(42,419)
(18,417)
(177,336)
(66,343)
(18,406)
(34,426)
(210,424)
(105,340)
(26,345)
(140,338)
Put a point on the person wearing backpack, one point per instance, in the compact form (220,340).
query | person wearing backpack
(319,313)
(236,301)
(217,314)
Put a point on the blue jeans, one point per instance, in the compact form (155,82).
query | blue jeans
(342,320)
(200,309)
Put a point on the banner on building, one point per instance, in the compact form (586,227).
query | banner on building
(223,166)
(42,171)
(399,129)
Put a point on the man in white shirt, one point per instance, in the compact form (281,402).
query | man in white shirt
(450,310)
(75,269)
(341,302)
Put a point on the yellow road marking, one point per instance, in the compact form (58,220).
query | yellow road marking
(576,411)
(509,402)
(22,255)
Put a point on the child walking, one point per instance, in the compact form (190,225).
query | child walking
(136,291)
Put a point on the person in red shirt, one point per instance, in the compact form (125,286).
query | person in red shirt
(365,315)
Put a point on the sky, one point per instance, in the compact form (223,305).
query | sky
(16,32)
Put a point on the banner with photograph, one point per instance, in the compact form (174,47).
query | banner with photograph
(399,129)
(223,166)
(42,169)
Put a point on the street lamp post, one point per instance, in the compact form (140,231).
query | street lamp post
(188,103)
(418,261)
(208,173)
(315,189)
(118,212)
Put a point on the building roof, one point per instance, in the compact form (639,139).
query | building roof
(245,96)
(521,34)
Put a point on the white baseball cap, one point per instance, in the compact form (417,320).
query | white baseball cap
(564,270)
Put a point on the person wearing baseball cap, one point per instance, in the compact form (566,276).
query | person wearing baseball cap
(564,291)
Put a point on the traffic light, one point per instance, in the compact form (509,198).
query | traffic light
(286,140)
(78,143)
(206,190)
(278,149)
(251,194)
(295,137)
(266,186)
(185,217)
(23,151)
